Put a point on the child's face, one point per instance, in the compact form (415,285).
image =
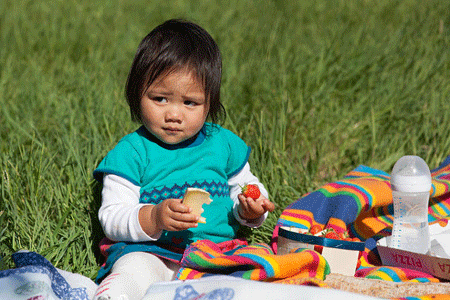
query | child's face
(174,107)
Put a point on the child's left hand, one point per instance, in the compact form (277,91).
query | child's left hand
(250,209)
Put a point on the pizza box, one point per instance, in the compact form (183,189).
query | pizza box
(427,263)
(342,256)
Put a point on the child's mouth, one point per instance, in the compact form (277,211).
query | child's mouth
(171,130)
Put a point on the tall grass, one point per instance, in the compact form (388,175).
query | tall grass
(314,87)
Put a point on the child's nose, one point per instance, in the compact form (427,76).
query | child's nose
(173,114)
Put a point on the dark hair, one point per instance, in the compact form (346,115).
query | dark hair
(176,44)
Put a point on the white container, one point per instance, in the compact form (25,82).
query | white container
(411,185)
(342,256)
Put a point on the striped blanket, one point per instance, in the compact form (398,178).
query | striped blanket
(256,262)
(361,203)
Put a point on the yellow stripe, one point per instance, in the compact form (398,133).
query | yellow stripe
(439,210)
(383,276)
(296,220)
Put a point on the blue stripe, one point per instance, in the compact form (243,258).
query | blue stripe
(263,262)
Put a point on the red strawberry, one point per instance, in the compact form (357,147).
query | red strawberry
(332,235)
(251,190)
(344,235)
(315,229)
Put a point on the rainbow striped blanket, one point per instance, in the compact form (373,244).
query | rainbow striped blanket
(361,203)
(255,262)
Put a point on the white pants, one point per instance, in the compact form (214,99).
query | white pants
(132,274)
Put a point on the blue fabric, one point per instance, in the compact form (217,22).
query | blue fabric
(139,157)
(31,262)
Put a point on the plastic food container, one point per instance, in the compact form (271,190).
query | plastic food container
(342,256)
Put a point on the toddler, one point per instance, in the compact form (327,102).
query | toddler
(173,88)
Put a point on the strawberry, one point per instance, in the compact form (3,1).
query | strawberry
(315,229)
(344,235)
(251,190)
(332,235)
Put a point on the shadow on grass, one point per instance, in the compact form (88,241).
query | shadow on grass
(97,230)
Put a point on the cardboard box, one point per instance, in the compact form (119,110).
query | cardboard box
(436,266)
(342,256)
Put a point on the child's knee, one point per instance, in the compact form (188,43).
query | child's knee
(142,264)
(131,275)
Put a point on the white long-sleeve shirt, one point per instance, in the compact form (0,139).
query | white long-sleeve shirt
(119,212)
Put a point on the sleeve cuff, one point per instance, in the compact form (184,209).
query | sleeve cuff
(253,223)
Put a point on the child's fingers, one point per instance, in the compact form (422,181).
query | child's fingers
(175,205)
(185,217)
(269,206)
(243,201)
(176,221)
(254,207)
(180,225)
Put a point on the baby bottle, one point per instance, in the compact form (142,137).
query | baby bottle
(411,185)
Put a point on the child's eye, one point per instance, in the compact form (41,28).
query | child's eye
(159,99)
(190,103)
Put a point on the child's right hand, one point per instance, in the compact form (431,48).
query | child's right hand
(170,215)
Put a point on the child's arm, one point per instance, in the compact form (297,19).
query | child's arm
(123,218)
(119,212)
(258,209)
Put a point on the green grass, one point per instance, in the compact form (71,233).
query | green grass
(314,87)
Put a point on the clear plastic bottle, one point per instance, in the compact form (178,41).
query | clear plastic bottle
(411,185)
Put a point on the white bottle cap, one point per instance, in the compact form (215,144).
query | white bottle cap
(411,175)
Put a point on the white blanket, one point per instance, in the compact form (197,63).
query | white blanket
(232,288)
(36,278)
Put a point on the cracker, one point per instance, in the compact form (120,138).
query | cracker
(195,198)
